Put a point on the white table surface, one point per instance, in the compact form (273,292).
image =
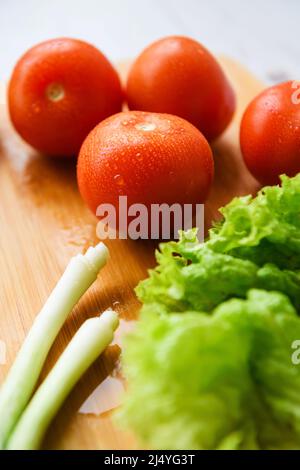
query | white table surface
(262,34)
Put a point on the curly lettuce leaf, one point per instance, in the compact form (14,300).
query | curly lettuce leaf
(225,380)
(265,228)
(190,276)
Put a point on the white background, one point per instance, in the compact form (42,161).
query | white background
(262,34)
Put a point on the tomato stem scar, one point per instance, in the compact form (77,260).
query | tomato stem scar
(55,92)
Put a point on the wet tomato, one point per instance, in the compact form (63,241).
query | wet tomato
(177,75)
(151,158)
(270,133)
(59,90)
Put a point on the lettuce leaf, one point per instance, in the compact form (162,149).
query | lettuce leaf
(226,380)
(209,365)
(191,276)
(265,228)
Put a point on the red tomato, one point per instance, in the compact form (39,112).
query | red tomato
(270,133)
(177,75)
(150,158)
(59,90)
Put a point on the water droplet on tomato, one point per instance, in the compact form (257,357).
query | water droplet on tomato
(119,180)
(36,108)
(138,156)
(145,126)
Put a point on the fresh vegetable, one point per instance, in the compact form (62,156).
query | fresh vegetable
(270,134)
(177,75)
(59,90)
(88,343)
(211,355)
(148,157)
(257,244)
(17,389)
(219,381)
(263,229)
(211,278)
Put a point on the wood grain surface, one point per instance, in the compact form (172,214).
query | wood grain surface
(43,222)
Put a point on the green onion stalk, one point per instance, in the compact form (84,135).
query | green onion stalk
(22,378)
(88,343)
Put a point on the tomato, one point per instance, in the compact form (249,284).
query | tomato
(177,75)
(270,134)
(151,158)
(59,90)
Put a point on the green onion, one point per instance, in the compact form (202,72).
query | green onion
(17,389)
(87,344)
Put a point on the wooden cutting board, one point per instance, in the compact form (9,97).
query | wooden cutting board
(43,222)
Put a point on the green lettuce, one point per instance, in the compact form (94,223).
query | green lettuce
(265,228)
(209,365)
(190,276)
(226,380)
